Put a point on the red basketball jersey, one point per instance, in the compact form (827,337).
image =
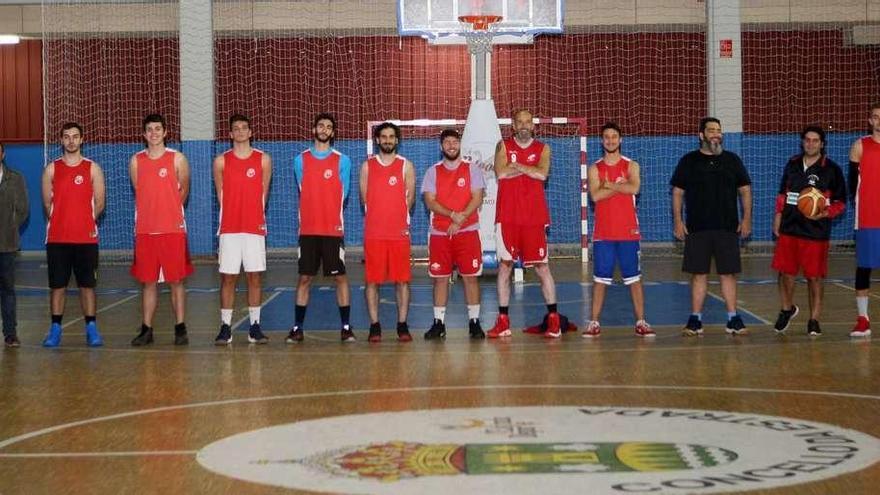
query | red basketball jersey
(72,216)
(868,209)
(320,196)
(387,217)
(158,208)
(242,210)
(520,199)
(616,218)
(454,192)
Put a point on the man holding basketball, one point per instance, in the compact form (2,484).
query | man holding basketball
(802,240)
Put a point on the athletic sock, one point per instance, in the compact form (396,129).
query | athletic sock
(345,315)
(254,314)
(862,305)
(551,308)
(473,311)
(440,313)
(57,318)
(299,315)
(226,316)
(502,310)
(91,319)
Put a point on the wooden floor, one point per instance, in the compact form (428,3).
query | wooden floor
(125,420)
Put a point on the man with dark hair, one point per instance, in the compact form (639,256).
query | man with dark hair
(707,183)
(241,178)
(614,182)
(73,197)
(13,213)
(453,191)
(864,175)
(802,241)
(387,186)
(160,177)
(324,178)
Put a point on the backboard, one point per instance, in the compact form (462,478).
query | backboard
(438,20)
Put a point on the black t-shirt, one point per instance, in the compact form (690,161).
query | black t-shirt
(710,184)
(824,175)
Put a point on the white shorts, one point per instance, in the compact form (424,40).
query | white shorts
(242,249)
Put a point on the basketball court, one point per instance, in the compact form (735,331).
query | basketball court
(761,413)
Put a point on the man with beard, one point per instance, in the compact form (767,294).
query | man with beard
(388,186)
(707,182)
(453,192)
(614,183)
(802,241)
(241,178)
(864,183)
(73,197)
(160,177)
(324,178)
(522,165)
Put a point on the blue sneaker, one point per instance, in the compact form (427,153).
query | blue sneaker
(93,338)
(53,338)
(735,326)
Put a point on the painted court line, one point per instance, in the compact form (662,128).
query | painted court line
(853,289)
(44,455)
(101,310)
(400,390)
(247,316)
(739,306)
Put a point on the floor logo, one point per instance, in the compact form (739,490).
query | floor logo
(542,450)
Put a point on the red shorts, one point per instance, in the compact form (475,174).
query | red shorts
(793,253)
(161,258)
(525,242)
(463,250)
(387,261)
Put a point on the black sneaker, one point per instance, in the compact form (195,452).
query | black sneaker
(346,335)
(437,331)
(225,335)
(694,327)
(12,341)
(475,330)
(256,335)
(295,335)
(735,326)
(143,338)
(403,334)
(180,337)
(375,333)
(784,318)
(813,328)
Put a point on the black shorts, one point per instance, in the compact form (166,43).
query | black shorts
(701,247)
(79,259)
(321,250)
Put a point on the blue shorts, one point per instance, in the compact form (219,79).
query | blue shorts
(868,248)
(607,254)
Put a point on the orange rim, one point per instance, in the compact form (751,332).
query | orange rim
(480,22)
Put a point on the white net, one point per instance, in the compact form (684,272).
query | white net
(108,64)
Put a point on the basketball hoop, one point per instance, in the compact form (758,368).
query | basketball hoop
(479,31)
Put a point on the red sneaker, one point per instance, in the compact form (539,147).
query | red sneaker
(554,331)
(501,328)
(593,330)
(644,330)
(862,328)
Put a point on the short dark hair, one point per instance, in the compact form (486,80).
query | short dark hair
(239,117)
(324,116)
(611,125)
(705,121)
(154,117)
(875,106)
(386,125)
(449,133)
(72,125)
(818,130)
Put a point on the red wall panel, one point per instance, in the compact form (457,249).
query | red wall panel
(21,87)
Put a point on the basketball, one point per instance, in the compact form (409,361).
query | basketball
(811,202)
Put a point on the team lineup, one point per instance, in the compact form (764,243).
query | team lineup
(711,209)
